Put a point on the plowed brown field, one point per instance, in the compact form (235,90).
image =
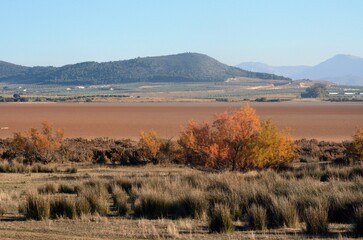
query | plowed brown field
(321,120)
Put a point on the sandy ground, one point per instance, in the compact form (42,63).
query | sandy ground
(321,120)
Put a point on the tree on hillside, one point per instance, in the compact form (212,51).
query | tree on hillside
(238,141)
(318,90)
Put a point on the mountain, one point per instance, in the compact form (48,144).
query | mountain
(340,69)
(261,67)
(184,67)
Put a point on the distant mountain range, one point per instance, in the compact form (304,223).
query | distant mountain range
(185,67)
(340,69)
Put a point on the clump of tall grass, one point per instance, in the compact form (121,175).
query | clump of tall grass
(67,189)
(41,168)
(358,222)
(152,205)
(2,210)
(342,205)
(257,217)
(63,208)
(193,204)
(71,170)
(120,199)
(316,220)
(13,167)
(36,207)
(97,196)
(82,206)
(220,219)
(282,213)
(49,188)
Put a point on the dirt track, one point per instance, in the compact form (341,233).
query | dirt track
(321,120)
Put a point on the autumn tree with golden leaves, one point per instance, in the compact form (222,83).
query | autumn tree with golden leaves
(150,144)
(38,146)
(238,141)
(355,150)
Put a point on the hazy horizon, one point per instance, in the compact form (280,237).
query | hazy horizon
(278,33)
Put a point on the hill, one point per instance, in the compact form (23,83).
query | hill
(185,67)
(340,69)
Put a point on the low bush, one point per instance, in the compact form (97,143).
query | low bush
(36,207)
(220,220)
(316,220)
(257,217)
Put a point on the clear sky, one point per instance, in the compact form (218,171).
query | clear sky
(277,32)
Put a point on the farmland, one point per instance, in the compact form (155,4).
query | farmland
(320,120)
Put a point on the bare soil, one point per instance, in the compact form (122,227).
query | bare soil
(320,120)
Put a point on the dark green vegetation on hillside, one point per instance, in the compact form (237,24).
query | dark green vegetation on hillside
(185,67)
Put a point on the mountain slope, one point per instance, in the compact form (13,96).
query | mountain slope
(9,69)
(185,67)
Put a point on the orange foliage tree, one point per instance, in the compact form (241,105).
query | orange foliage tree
(356,147)
(38,146)
(238,141)
(150,144)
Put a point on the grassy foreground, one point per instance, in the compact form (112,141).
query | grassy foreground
(177,202)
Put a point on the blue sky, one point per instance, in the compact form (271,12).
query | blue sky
(277,32)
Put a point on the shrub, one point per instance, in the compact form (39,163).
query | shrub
(38,146)
(120,198)
(316,220)
(358,222)
(37,207)
(63,207)
(221,220)
(257,217)
(48,188)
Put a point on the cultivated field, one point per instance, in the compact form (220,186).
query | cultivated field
(320,120)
